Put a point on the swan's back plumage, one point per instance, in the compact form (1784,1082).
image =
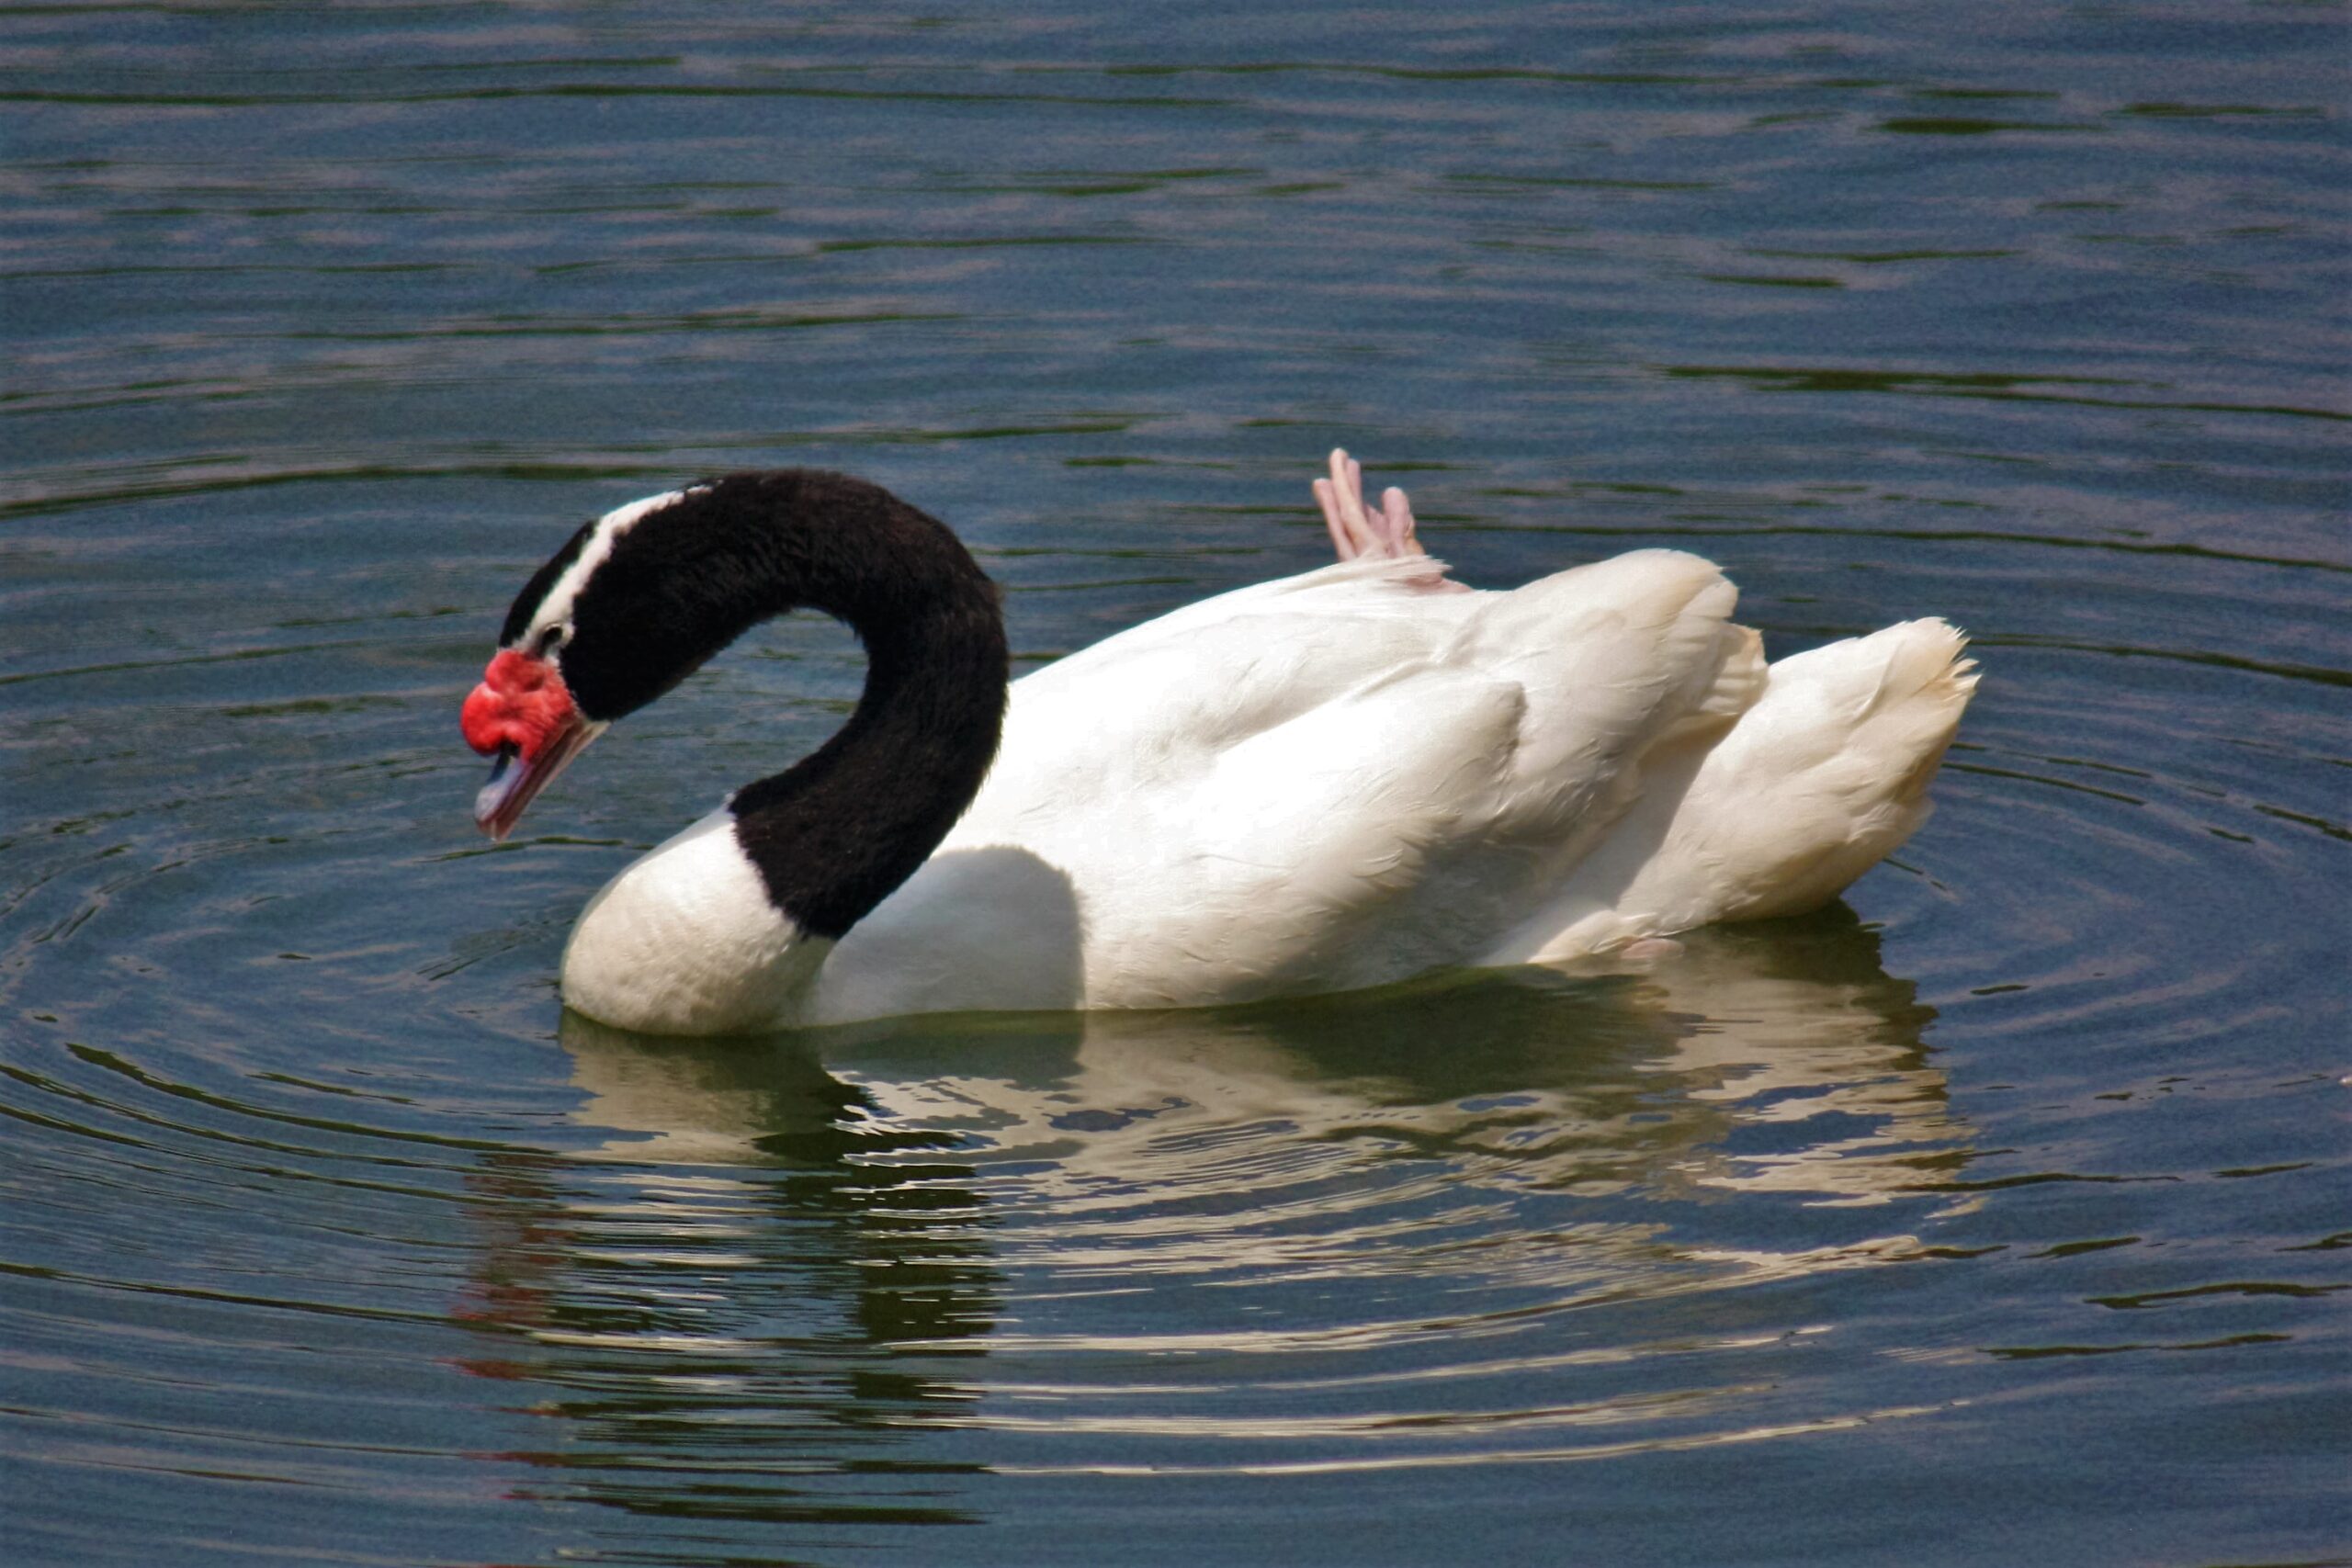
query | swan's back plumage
(1342,779)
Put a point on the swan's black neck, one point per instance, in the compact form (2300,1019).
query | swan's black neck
(834,834)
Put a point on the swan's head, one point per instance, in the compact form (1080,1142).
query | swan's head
(639,599)
(590,638)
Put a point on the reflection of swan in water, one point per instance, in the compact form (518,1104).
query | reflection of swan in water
(1545,1077)
(707,1341)
(778,1266)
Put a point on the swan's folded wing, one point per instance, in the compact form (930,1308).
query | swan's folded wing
(1615,657)
(1319,854)
(1611,658)
(1308,856)
(1134,719)
(1322,783)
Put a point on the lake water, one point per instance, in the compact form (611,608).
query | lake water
(1998,1215)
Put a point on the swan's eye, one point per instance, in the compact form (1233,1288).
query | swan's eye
(548,640)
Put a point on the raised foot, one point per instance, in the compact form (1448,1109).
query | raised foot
(1358,532)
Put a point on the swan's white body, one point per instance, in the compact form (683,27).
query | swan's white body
(1333,781)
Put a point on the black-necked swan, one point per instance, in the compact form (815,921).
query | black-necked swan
(1332,781)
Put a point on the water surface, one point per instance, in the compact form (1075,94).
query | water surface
(1994,1216)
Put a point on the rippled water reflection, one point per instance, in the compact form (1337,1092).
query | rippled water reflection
(1205,1244)
(1997,1216)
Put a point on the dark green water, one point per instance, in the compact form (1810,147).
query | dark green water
(1995,1217)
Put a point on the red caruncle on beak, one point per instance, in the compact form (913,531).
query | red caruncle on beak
(521,702)
(522,715)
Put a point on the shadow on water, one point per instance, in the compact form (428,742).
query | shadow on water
(797,1265)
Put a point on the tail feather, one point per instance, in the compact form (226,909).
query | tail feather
(1839,776)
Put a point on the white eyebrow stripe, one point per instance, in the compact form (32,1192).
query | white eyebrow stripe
(555,610)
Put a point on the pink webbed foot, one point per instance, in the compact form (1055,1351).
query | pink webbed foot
(1358,531)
